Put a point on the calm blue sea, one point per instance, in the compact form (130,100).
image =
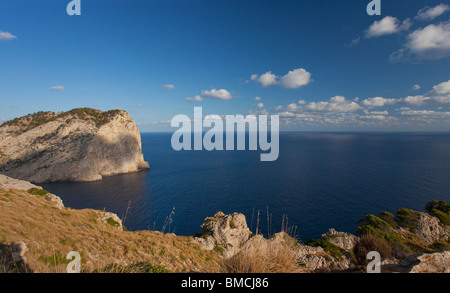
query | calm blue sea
(320,180)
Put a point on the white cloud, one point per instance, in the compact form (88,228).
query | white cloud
(57,88)
(301,102)
(293,79)
(257,98)
(440,94)
(378,102)
(6,36)
(296,78)
(292,107)
(425,113)
(266,79)
(161,122)
(416,87)
(387,26)
(376,112)
(221,94)
(336,104)
(430,13)
(431,42)
(168,86)
(195,99)
(260,105)
(442,89)
(416,100)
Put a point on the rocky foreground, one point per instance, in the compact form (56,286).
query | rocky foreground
(78,145)
(37,232)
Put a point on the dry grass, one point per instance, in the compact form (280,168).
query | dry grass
(265,258)
(50,234)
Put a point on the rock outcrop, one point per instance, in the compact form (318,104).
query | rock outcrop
(230,235)
(437,262)
(79,145)
(429,229)
(33,190)
(343,240)
(226,233)
(12,257)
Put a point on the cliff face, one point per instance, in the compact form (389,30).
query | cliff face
(79,145)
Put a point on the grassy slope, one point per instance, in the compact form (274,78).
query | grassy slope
(51,233)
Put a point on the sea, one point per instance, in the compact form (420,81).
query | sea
(320,181)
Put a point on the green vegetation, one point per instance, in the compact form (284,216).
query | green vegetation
(37,191)
(112,222)
(232,225)
(31,120)
(440,246)
(88,114)
(439,205)
(443,217)
(369,242)
(140,268)
(329,247)
(439,209)
(34,120)
(407,218)
(203,236)
(218,247)
(55,259)
(385,226)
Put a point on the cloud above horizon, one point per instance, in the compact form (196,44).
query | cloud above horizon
(57,88)
(431,42)
(221,94)
(6,36)
(168,86)
(340,111)
(293,79)
(429,13)
(387,26)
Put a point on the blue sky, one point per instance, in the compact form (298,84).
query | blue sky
(320,65)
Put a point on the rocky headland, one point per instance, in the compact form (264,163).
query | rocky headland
(79,145)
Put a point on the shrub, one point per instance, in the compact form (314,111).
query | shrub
(369,242)
(440,246)
(37,191)
(407,218)
(140,267)
(329,247)
(218,247)
(438,205)
(112,222)
(375,222)
(443,217)
(389,218)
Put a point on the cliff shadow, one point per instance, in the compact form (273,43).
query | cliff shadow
(68,152)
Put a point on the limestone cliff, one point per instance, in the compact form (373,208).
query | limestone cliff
(78,145)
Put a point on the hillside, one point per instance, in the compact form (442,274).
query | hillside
(79,145)
(37,233)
